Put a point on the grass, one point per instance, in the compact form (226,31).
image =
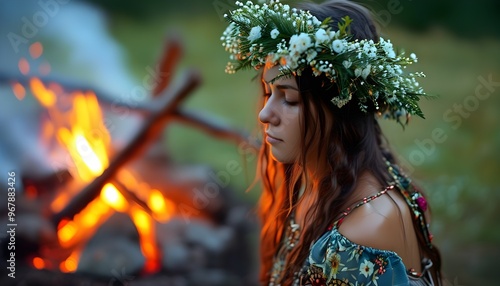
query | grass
(459,173)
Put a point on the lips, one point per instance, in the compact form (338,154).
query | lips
(271,139)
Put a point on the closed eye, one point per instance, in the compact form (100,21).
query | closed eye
(291,103)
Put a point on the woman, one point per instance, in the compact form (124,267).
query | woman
(335,209)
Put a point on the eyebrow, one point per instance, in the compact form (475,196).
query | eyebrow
(286,86)
(280,86)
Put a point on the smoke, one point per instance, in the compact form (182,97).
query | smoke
(77,46)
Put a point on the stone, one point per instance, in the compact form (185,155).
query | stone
(107,257)
(176,257)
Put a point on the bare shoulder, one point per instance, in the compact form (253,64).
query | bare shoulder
(380,223)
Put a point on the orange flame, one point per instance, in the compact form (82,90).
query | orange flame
(146,227)
(162,207)
(84,224)
(113,198)
(45,96)
(71,263)
(76,121)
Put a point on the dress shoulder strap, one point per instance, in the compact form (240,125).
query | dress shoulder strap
(414,198)
(364,201)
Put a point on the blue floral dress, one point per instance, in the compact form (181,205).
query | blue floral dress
(335,260)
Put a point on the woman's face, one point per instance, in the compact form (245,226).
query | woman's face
(281,116)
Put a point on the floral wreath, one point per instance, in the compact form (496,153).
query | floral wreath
(295,39)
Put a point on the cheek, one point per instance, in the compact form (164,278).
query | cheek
(294,132)
(294,135)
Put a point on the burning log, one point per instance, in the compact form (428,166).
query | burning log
(149,131)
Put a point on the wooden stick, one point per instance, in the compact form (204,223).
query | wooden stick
(205,123)
(149,131)
(213,128)
(172,53)
(131,196)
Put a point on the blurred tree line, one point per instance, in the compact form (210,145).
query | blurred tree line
(471,19)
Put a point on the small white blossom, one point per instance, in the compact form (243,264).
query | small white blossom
(321,36)
(366,71)
(290,62)
(316,22)
(347,64)
(413,57)
(391,54)
(254,33)
(274,33)
(311,54)
(300,43)
(388,49)
(338,46)
(370,49)
(357,72)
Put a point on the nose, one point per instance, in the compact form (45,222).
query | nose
(267,114)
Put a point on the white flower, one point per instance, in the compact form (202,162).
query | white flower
(366,71)
(366,268)
(289,62)
(357,72)
(370,49)
(300,43)
(338,46)
(254,33)
(413,57)
(392,97)
(387,46)
(316,22)
(333,34)
(321,36)
(347,64)
(311,54)
(274,33)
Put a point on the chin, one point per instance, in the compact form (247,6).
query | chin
(282,158)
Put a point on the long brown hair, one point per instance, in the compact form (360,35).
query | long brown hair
(351,141)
